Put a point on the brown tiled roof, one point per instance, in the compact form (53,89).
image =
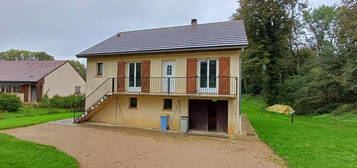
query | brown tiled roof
(192,37)
(27,71)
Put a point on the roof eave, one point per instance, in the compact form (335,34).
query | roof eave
(2,81)
(164,50)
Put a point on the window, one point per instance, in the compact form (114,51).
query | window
(167,104)
(77,90)
(169,70)
(133,102)
(208,75)
(134,76)
(99,69)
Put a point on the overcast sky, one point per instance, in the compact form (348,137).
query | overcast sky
(63,28)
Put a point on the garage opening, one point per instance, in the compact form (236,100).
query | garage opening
(208,115)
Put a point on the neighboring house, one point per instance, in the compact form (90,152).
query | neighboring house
(134,77)
(30,80)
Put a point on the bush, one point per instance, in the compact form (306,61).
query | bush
(45,101)
(345,108)
(74,102)
(9,103)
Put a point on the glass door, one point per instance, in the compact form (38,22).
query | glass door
(134,73)
(208,76)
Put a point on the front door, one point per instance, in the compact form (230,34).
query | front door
(208,76)
(134,73)
(169,71)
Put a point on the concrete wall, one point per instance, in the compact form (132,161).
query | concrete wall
(62,81)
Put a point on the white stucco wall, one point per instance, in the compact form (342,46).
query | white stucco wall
(62,81)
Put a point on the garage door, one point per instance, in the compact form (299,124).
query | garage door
(208,115)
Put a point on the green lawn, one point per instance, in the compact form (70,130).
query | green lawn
(17,153)
(320,141)
(31,116)
(31,111)
(27,121)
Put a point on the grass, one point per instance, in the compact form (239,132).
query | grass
(314,142)
(17,153)
(32,116)
(31,111)
(33,120)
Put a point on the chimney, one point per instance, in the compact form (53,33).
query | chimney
(193,21)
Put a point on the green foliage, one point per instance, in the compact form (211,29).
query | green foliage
(80,68)
(308,61)
(253,62)
(345,108)
(9,103)
(74,102)
(17,153)
(45,101)
(347,24)
(269,26)
(321,141)
(321,24)
(23,55)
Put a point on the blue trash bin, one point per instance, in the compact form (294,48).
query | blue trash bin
(164,122)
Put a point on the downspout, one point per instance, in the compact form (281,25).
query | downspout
(240,93)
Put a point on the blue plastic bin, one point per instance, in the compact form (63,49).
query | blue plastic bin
(163,122)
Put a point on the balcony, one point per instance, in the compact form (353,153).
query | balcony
(203,87)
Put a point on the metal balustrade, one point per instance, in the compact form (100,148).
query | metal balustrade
(177,85)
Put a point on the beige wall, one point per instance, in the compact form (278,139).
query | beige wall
(62,81)
(20,95)
(110,64)
(150,107)
(148,112)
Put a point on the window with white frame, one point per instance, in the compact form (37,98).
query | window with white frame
(208,70)
(134,74)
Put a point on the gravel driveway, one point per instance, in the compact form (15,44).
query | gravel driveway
(101,147)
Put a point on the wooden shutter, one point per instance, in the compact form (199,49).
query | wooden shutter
(39,86)
(121,76)
(25,90)
(224,75)
(145,76)
(191,75)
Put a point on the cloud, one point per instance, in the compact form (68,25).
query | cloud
(66,27)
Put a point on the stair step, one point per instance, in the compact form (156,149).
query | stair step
(94,106)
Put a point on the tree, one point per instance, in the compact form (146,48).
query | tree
(347,24)
(326,83)
(321,24)
(269,26)
(80,68)
(24,55)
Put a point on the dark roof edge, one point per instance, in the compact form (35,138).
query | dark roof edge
(18,81)
(164,50)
